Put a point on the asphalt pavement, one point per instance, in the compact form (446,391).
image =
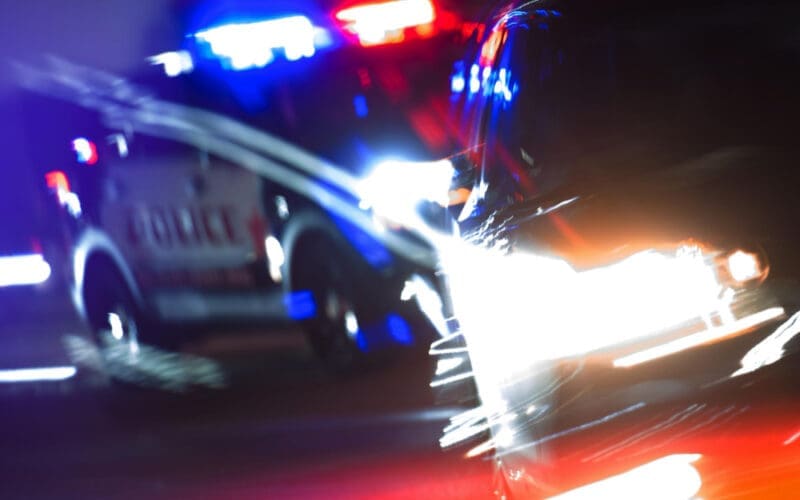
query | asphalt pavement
(254,415)
(269,422)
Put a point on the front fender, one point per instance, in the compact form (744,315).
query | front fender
(305,223)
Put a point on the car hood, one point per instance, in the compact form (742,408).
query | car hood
(728,198)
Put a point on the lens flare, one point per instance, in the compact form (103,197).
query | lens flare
(669,478)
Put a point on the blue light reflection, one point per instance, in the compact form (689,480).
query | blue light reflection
(300,305)
(360,105)
(371,250)
(399,329)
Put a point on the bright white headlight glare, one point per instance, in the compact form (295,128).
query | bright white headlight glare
(744,266)
(394,188)
(29,269)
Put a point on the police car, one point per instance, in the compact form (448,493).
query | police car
(185,209)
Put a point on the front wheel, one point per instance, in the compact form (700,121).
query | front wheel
(334,326)
(113,316)
(123,337)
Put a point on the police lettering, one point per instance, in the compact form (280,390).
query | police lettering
(168,227)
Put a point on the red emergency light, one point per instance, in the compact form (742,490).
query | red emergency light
(378,23)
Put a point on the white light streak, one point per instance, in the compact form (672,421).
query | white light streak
(446,365)
(669,478)
(29,269)
(792,438)
(697,339)
(55,373)
(771,349)
(451,379)
(462,433)
(275,258)
(480,449)
(428,301)
(582,427)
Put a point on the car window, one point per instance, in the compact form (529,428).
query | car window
(550,86)
(601,100)
(524,113)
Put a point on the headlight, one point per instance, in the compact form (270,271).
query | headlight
(28,269)
(741,267)
(394,189)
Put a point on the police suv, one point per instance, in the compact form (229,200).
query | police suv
(184,213)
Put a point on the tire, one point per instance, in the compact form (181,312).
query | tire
(118,327)
(333,330)
(112,313)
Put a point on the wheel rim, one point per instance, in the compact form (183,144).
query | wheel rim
(334,330)
(340,314)
(122,331)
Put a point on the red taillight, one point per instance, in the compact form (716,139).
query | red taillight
(57,181)
(377,23)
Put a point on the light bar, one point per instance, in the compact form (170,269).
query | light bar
(251,45)
(29,269)
(384,22)
(55,373)
(174,63)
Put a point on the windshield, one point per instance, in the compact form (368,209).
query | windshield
(595,99)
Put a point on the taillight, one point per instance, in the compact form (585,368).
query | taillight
(57,181)
(377,23)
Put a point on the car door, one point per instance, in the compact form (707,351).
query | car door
(182,217)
